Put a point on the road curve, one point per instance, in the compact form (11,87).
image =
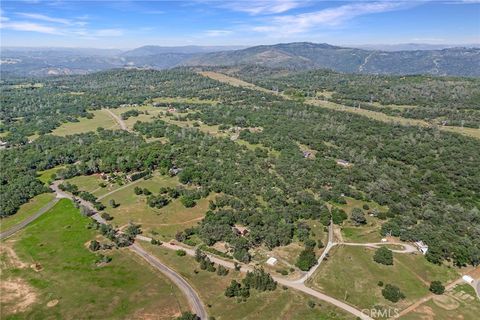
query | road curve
(407,248)
(191,295)
(28,220)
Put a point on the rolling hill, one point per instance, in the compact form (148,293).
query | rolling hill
(292,56)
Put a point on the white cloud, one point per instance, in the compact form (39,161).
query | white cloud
(217,33)
(29,26)
(331,17)
(42,17)
(263,7)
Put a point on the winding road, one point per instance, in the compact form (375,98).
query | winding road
(191,295)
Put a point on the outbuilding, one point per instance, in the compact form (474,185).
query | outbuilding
(272,261)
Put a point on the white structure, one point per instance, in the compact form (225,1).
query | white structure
(384,240)
(468,279)
(422,247)
(272,261)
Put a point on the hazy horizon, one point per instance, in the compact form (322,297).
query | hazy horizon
(131,24)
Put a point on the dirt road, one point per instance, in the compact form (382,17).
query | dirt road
(119,120)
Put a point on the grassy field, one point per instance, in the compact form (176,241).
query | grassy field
(45,176)
(49,273)
(279,304)
(26,210)
(166,221)
(460,302)
(100,119)
(350,273)
(369,232)
(184,100)
(151,110)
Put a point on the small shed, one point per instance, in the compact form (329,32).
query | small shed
(272,261)
(422,247)
(343,163)
(468,279)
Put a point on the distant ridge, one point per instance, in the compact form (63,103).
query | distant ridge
(292,56)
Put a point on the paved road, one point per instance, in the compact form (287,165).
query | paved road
(300,286)
(191,295)
(28,220)
(119,120)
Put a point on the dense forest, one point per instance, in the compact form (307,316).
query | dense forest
(428,179)
(441,100)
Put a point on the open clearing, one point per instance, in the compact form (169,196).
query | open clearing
(279,304)
(350,272)
(26,210)
(370,232)
(45,175)
(166,221)
(100,119)
(457,303)
(60,267)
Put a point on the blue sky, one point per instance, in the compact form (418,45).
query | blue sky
(128,24)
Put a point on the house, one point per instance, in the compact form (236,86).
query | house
(384,240)
(239,230)
(343,163)
(272,261)
(468,279)
(174,171)
(422,247)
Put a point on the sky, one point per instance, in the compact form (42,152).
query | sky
(127,24)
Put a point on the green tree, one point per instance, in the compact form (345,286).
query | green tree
(358,216)
(392,293)
(306,260)
(384,256)
(437,287)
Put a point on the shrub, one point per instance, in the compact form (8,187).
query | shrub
(437,287)
(384,256)
(392,293)
(181,253)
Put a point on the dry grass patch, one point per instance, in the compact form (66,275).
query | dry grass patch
(100,119)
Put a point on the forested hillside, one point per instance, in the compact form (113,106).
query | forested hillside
(440,100)
(427,179)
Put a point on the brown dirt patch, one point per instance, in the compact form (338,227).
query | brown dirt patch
(52,303)
(157,315)
(37,267)
(446,302)
(426,313)
(11,259)
(17,295)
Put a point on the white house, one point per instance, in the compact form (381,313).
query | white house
(468,279)
(272,261)
(422,247)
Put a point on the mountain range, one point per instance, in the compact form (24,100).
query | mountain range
(458,61)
